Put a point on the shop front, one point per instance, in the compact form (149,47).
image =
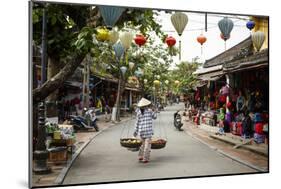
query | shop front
(237,87)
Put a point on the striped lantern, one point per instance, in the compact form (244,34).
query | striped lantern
(179,21)
(119,50)
(110,14)
(123,69)
(126,39)
(226,26)
(113,36)
(258,39)
(131,65)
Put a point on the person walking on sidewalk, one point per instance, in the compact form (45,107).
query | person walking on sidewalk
(144,128)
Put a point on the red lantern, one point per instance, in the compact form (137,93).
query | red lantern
(224,38)
(140,39)
(201,39)
(170,41)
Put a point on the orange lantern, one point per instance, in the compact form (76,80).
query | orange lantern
(201,39)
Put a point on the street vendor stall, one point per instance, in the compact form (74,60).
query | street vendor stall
(60,142)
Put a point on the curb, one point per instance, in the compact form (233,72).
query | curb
(226,154)
(260,152)
(59,180)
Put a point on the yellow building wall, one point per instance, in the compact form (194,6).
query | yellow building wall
(261,24)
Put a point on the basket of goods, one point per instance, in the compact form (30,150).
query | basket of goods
(130,142)
(158,144)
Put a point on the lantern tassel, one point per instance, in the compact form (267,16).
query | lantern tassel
(180,50)
(225,45)
(201,50)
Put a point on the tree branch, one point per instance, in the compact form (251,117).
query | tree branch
(57,81)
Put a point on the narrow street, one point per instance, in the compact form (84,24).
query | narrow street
(104,160)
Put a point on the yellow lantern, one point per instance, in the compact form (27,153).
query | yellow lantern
(156,82)
(102,34)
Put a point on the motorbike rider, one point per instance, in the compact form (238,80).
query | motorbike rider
(91,118)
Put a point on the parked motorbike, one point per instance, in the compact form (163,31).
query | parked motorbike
(80,123)
(177,121)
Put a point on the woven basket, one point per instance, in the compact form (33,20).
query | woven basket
(130,142)
(158,144)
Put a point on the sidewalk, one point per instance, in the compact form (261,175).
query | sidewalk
(253,155)
(83,138)
(235,140)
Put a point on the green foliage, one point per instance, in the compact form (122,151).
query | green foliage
(84,42)
(183,73)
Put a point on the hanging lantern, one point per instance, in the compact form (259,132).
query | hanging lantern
(201,39)
(126,39)
(113,36)
(145,81)
(177,82)
(258,39)
(110,14)
(102,34)
(167,82)
(223,37)
(156,82)
(170,41)
(119,50)
(179,21)
(250,24)
(131,65)
(226,26)
(140,40)
(123,69)
(140,73)
(137,73)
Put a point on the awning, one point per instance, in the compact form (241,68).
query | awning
(208,70)
(211,76)
(132,89)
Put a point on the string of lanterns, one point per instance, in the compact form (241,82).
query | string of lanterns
(122,42)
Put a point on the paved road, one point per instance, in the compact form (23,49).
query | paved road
(104,160)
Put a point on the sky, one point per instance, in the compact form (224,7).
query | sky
(195,26)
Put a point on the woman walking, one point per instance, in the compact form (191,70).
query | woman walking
(144,128)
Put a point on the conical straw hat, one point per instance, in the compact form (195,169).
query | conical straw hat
(143,102)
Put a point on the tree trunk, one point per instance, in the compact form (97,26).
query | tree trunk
(56,82)
(53,68)
(121,88)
